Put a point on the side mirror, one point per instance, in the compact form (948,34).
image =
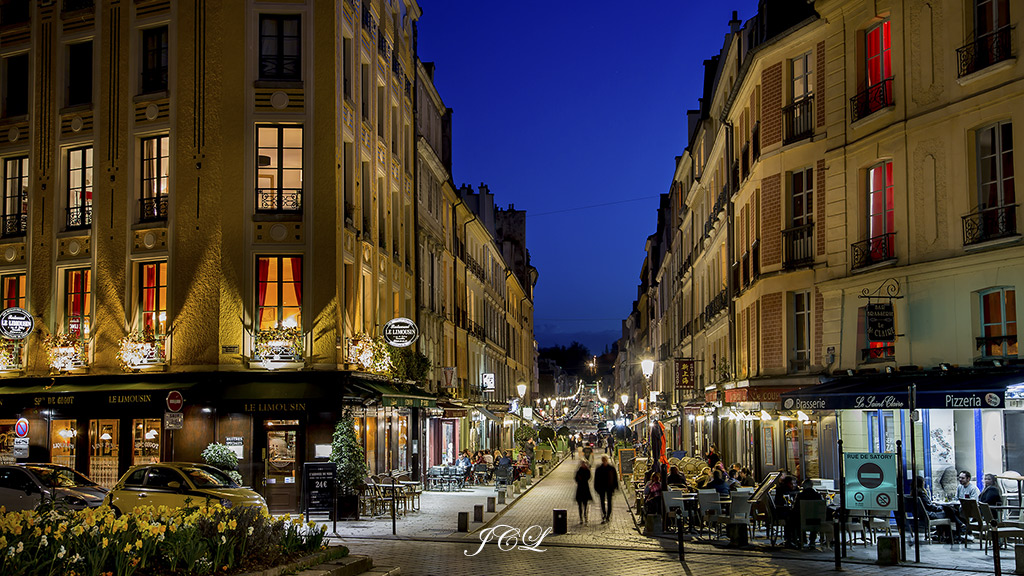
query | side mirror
(174,485)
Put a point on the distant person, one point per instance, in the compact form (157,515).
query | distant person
(712,457)
(606,482)
(583,495)
(718,483)
(506,459)
(746,478)
(675,476)
(992,494)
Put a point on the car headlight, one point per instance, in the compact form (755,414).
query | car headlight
(226,503)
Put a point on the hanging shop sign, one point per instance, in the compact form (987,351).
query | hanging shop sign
(756,394)
(16,323)
(449,375)
(488,381)
(881,322)
(870,481)
(400,332)
(684,375)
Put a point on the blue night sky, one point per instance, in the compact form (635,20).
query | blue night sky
(574,112)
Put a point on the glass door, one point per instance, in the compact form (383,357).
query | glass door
(103,448)
(282,464)
(146,441)
(62,442)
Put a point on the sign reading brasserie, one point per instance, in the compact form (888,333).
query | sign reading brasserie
(16,323)
(881,321)
(400,332)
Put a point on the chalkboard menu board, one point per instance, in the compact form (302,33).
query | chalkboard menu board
(626,457)
(320,487)
(765,486)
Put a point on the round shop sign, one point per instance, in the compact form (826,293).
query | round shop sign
(401,332)
(21,428)
(16,323)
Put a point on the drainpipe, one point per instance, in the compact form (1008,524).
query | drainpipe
(416,420)
(730,241)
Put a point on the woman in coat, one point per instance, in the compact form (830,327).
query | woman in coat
(583,495)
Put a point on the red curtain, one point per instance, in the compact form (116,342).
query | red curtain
(11,297)
(261,287)
(297,278)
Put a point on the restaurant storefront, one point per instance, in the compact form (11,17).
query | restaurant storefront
(274,421)
(968,419)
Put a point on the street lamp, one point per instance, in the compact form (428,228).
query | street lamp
(625,399)
(647,366)
(521,388)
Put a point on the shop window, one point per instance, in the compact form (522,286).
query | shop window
(996,216)
(16,86)
(146,441)
(79,181)
(998,323)
(103,451)
(153,176)
(371,444)
(802,457)
(403,442)
(15,201)
(279,292)
(62,442)
(79,74)
(280,47)
(154,59)
(279,169)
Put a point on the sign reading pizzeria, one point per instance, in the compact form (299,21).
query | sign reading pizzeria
(400,332)
(16,323)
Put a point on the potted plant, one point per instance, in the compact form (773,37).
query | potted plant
(347,453)
(223,458)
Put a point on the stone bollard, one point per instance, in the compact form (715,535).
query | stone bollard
(1018,553)
(490,503)
(501,496)
(463,521)
(888,550)
(528,479)
(478,513)
(515,488)
(560,521)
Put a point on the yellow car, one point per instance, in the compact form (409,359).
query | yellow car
(172,483)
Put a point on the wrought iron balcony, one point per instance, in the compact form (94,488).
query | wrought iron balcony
(871,100)
(799,119)
(79,217)
(873,250)
(369,22)
(687,330)
(153,209)
(473,266)
(990,224)
(997,345)
(717,304)
(278,200)
(985,51)
(15,225)
(798,246)
(878,353)
(721,200)
(384,47)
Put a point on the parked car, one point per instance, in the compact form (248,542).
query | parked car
(172,483)
(25,486)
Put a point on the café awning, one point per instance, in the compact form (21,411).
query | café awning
(637,421)
(935,389)
(392,396)
(488,414)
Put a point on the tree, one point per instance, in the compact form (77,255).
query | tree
(573,359)
(347,453)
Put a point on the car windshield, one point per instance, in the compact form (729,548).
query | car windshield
(55,477)
(204,477)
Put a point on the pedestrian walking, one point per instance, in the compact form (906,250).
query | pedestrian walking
(606,481)
(583,495)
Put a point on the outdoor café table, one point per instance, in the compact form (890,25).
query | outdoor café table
(409,485)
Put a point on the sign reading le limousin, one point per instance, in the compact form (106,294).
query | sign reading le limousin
(870,481)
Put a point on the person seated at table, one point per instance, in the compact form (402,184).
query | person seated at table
(478,457)
(464,461)
(746,478)
(718,483)
(652,495)
(992,494)
(731,480)
(808,493)
(506,459)
(703,479)
(966,489)
(488,458)
(785,494)
(675,476)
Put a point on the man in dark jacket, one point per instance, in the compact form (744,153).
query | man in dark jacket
(606,481)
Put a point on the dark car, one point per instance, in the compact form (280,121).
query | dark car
(25,486)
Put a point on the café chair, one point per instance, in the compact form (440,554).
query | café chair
(876,522)
(976,525)
(675,506)
(775,523)
(812,519)
(1005,532)
(710,509)
(925,524)
(854,526)
(480,473)
(412,493)
(502,476)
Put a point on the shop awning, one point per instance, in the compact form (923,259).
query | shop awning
(638,421)
(68,394)
(392,396)
(488,414)
(935,389)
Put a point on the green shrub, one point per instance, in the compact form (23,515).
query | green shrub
(224,458)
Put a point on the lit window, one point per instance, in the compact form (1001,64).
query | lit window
(79,188)
(998,322)
(279,292)
(881,218)
(77,295)
(155,165)
(15,202)
(153,298)
(13,286)
(279,169)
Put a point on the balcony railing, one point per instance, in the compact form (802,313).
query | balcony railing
(798,246)
(473,266)
(721,200)
(79,217)
(997,345)
(687,330)
(799,119)
(277,200)
(873,250)
(384,47)
(990,224)
(153,209)
(717,304)
(369,22)
(871,100)
(878,353)
(755,142)
(987,50)
(14,225)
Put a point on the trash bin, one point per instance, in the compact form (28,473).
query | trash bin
(560,519)
(888,550)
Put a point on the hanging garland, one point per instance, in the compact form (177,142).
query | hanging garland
(10,354)
(137,349)
(62,351)
(278,342)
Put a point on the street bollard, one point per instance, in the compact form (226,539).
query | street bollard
(1018,556)
(560,520)
(515,488)
(679,532)
(501,496)
(490,503)
(478,513)
(463,521)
